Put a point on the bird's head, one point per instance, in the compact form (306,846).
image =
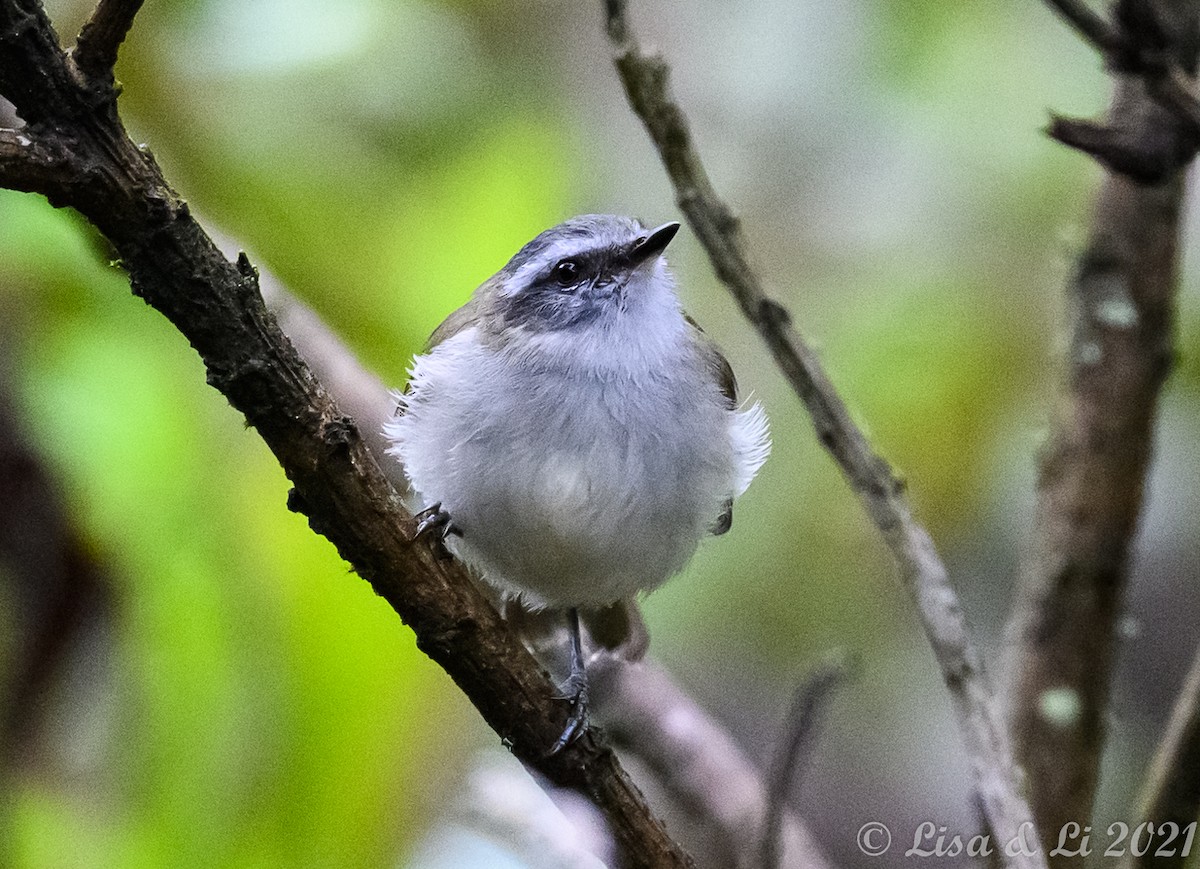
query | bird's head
(583,272)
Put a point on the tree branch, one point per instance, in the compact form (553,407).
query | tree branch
(95,51)
(696,760)
(1091,26)
(14,151)
(1172,791)
(176,268)
(357,391)
(1141,40)
(922,572)
(1176,90)
(795,744)
(1062,633)
(25,165)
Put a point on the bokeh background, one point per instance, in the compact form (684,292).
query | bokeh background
(236,698)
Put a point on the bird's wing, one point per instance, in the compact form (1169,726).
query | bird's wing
(715,363)
(456,322)
(722,372)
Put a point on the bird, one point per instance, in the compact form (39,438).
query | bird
(571,433)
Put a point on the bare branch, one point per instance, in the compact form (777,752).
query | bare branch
(696,760)
(799,733)
(26,165)
(1144,155)
(1177,91)
(921,570)
(357,391)
(1093,27)
(338,485)
(95,51)
(1172,791)
(1139,41)
(1062,633)
(14,150)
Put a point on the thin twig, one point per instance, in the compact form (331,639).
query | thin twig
(1171,795)
(921,569)
(695,759)
(1091,25)
(95,51)
(1147,157)
(795,746)
(337,484)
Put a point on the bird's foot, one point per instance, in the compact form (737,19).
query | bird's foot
(433,520)
(575,690)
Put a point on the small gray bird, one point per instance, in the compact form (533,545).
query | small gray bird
(576,433)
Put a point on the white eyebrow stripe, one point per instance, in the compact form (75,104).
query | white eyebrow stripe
(561,249)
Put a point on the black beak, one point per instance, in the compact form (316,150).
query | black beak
(653,243)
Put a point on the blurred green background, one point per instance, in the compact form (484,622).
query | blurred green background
(245,701)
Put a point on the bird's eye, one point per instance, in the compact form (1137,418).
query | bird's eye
(566,272)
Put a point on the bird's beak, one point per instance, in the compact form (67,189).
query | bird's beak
(653,243)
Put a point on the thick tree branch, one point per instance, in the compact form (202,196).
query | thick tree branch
(175,268)
(1092,471)
(24,164)
(356,390)
(922,572)
(14,151)
(1177,92)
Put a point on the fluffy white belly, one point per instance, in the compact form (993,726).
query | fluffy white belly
(571,492)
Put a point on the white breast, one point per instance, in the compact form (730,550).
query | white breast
(572,488)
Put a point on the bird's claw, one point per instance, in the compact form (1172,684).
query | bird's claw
(436,521)
(575,690)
